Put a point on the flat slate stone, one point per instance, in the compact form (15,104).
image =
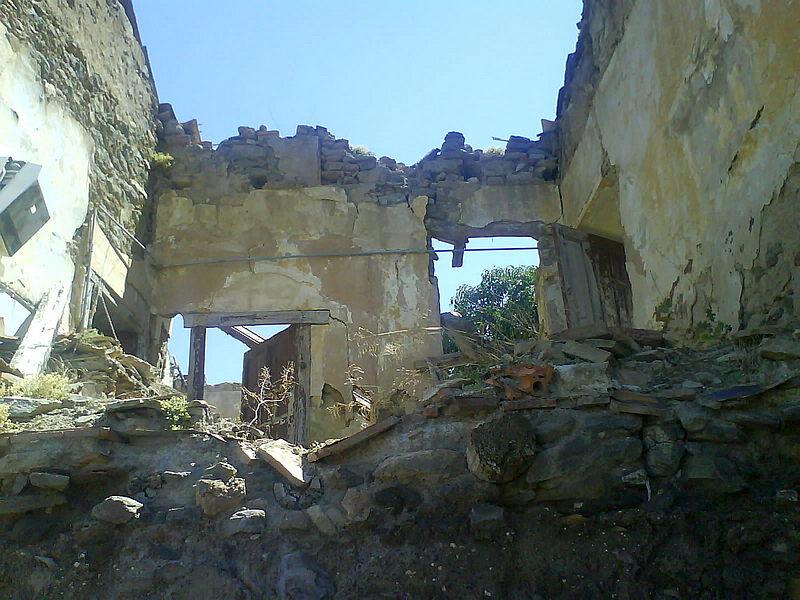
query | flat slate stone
(16,505)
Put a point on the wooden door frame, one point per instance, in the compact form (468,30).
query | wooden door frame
(303,319)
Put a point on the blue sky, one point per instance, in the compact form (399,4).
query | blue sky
(392,76)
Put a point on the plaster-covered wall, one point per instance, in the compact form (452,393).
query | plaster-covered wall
(76,97)
(685,154)
(380,305)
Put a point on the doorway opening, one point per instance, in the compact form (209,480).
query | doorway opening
(224,363)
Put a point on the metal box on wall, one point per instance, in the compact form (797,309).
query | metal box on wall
(23,211)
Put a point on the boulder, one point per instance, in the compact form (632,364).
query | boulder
(584,379)
(780,349)
(25,408)
(357,504)
(487,522)
(502,449)
(664,448)
(300,577)
(117,510)
(221,470)
(693,417)
(17,505)
(243,521)
(713,473)
(215,496)
(421,467)
(49,481)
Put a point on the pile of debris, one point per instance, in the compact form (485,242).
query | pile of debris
(99,373)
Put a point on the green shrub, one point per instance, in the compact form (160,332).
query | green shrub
(176,409)
(6,426)
(494,150)
(47,385)
(361,151)
(161,160)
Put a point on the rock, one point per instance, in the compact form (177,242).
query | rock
(780,349)
(357,504)
(25,408)
(14,484)
(294,520)
(586,379)
(342,478)
(221,470)
(487,522)
(713,473)
(693,418)
(300,577)
(583,467)
(322,519)
(664,449)
(17,505)
(552,425)
(421,467)
(49,481)
(585,352)
(286,459)
(215,496)
(117,510)
(501,449)
(243,521)
(786,496)
(720,431)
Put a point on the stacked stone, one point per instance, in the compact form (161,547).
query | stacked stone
(175,134)
(342,165)
(524,161)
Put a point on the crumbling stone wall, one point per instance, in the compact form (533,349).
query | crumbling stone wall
(77,97)
(681,123)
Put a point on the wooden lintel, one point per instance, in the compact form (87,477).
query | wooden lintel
(273,317)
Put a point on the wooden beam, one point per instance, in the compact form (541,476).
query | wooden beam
(34,351)
(247,336)
(302,407)
(273,317)
(354,440)
(197,363)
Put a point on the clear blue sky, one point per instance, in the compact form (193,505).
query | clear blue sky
(392,76)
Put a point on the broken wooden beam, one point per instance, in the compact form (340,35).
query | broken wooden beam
(34,351)
(352,441)
(242,334)
(197,363)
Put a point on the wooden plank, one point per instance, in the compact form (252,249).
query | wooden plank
(354,440)
(579,287)
(638,408)
(302,408)
(445,361)
(608,260)
(197,363)
(273,317)
(34,351)
(529,403)
(241,333)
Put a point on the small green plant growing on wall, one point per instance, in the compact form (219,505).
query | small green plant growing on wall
(663,310)
(47,385)
(494,150)
(361,151)
(161,160)
(176,410)
(710,330)
(6,425)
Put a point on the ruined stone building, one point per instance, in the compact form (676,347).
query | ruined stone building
(664,201)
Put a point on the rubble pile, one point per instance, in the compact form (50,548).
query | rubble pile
(99,373)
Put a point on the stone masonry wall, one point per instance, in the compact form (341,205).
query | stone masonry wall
(80,101)
(681,126)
